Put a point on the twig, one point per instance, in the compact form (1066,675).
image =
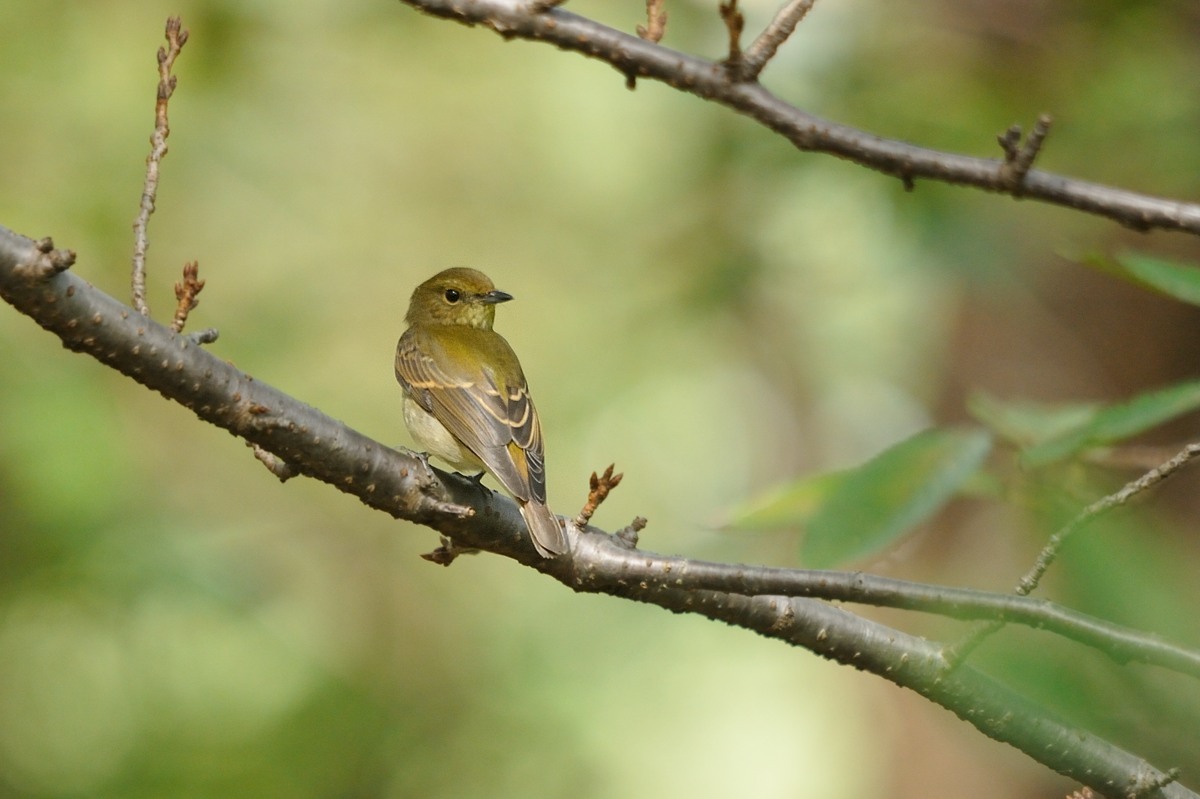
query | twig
(1029,581)
(735,23)
(656,22)
(187,295)
(598,486)
(635,58)
(1018,157)
(176,39)
(763,48)
(962,649)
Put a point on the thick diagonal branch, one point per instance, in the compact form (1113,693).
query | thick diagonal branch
(36,279)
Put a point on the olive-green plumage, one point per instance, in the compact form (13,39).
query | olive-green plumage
(465,396)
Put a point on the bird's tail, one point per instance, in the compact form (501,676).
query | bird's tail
(549,538)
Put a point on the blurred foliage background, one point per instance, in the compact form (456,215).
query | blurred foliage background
(696,301)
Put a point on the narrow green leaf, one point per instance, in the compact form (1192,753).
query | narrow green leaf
(1117,423)
(1177,280)
(1029,423)
(786,506)
(872,505)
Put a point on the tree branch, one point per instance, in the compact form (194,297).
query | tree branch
(768,42)
(34,279)
(636,58)
(176,39)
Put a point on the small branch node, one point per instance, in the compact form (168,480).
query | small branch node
(628,535)
(275,465)
(1018,156)
(206,336)
(1154,783)
(763,49)
(656,22)
(445,554)
(542,6)
(187,294)
(51,261)
(598,488)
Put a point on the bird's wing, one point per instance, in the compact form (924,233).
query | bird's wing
(497,422)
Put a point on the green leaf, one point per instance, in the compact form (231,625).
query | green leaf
(785,506)
(872,505)
(1177,280)
(1029,423)
(1117,423)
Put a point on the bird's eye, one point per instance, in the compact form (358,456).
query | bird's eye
(453,296)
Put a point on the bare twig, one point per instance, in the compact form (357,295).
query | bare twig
(599,486)
(187,295)
(635,58)
(176,39)
(1029,581)
(962,649)
(763,48)
(735,23)
(1018,157)
(656,22)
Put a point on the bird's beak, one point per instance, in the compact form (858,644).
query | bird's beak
(494,297)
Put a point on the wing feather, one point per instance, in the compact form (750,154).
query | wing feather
(495,421)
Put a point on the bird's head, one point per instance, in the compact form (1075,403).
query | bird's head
(458,296)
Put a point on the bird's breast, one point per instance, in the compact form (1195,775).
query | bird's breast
(432,436)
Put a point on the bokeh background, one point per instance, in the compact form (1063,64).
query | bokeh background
(696,301)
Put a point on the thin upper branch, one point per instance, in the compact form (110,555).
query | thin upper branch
(1029,581)
(176,39)
(636,58)
(34,278)
(763,48)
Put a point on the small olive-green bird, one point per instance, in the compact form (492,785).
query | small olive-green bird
(465,396)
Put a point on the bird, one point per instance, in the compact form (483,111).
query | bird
(466,399)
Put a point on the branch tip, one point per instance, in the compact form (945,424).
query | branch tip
(1019,156)
(187,294)
(656,23)
(763,49)
(598,488)
(735,23)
